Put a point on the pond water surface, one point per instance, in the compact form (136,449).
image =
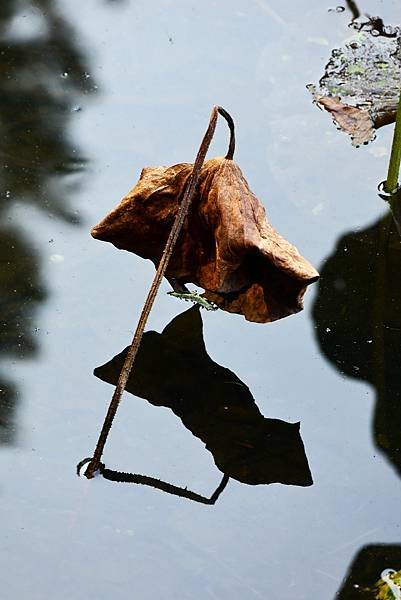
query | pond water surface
(90,93)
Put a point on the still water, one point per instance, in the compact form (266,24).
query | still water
(90,93)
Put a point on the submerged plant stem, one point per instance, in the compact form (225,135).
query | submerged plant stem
(94,462)
(391,184)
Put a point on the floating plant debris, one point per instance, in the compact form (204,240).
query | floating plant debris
(360,87)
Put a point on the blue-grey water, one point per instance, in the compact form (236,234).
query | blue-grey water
(90,93)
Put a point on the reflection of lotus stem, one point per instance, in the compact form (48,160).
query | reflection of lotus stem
(391,184)
(163,485)
(167,252)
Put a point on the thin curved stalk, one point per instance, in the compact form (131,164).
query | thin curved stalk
(230,122)
(94,462)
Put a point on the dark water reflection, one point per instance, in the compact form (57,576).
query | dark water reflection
(22,289)
(174,370)
(161,66)
(43,74)
(357,313)
(366,570)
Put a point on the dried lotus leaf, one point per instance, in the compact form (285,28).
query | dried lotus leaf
(354,120)
(226,245)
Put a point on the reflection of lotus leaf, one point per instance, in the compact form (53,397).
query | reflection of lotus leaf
(358,321)
(173,369)
(370,577)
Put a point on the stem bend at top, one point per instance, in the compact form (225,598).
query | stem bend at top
(230,122)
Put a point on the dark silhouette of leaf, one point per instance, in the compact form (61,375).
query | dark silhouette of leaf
(366,577)
(173,369)
(358,322)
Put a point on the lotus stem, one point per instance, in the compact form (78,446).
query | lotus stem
(94,462)
(391,185)
(230,122)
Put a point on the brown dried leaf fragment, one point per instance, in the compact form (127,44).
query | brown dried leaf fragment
(226,245)
(354,120)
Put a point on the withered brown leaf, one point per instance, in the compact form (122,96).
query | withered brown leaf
(226,245)
(354,120)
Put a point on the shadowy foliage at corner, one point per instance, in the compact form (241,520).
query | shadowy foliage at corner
(42,77)
(367,575)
